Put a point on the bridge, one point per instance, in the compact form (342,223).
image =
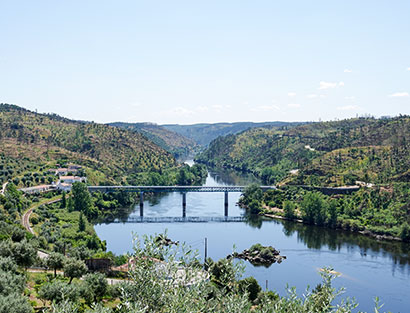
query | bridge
(182,189)
(173,188)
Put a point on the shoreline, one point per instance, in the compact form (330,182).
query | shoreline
(365,232)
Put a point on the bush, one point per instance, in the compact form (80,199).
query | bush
(57,291)
(289,209)
(405,231)
(250,286)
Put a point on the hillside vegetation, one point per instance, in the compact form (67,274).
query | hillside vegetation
(203,134)
(30,142)
(169,140)
(322,154)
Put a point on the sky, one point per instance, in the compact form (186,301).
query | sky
(206,61)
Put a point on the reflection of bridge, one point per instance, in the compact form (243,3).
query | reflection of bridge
(189,219)
(181,189)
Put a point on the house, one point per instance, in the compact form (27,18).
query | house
(72,179)
(37,189)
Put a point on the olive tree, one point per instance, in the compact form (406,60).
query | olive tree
(74,268)
(58,291)
(96,286)
(55,261)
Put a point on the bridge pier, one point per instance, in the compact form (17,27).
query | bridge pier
(184,204)
(226,203)
(141,203)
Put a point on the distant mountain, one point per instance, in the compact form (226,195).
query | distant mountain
(169,140)
(34,142)
(327,153)
(203,134)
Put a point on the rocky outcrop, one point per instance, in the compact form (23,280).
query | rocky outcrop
(260,255)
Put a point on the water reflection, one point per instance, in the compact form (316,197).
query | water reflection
(315,237)
(230,177)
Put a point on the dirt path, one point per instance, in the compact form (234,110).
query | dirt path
(25,219)
(3,189)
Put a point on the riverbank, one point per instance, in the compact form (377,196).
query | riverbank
(377,212)
(362,232)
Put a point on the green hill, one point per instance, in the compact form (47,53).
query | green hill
(327,153)
(170,141)
(203,134)
(33,142)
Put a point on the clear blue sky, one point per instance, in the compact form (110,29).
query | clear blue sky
(206,61)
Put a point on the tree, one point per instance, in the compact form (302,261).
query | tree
(82,199)
(96,285)
(63,203)
(55,261)
(70,204)
(74,268)
(313,208)
(81,223)
(57,291)
(15,303)
(289,209)
(405,231)
(332,210)
(23,253)
(11,283)
(250,286)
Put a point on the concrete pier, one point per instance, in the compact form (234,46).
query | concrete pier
(184,204)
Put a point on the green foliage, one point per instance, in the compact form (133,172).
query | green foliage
(81,223)
(23,253)
(74,268)
(11,283)
(55,261)
(82,199)
(96,286)
(313,208)
(405,231)
(250,286)
(289,209)
(63,203)
(58,291)
(15,303)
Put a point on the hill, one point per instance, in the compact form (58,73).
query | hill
(33,142)
(169,140)
(203,134)
(327,153)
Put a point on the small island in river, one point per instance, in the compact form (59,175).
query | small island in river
(260,255)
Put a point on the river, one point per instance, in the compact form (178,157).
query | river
(368,267)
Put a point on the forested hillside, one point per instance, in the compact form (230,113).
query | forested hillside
(169,140)
(329,153)
(203,134)
(30,142)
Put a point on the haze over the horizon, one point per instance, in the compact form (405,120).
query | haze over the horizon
(189,62)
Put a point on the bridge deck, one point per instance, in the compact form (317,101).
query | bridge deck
(190,219)
(173,188)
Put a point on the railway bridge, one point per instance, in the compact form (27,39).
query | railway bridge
(182,189)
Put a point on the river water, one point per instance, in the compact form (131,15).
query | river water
(368,267)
